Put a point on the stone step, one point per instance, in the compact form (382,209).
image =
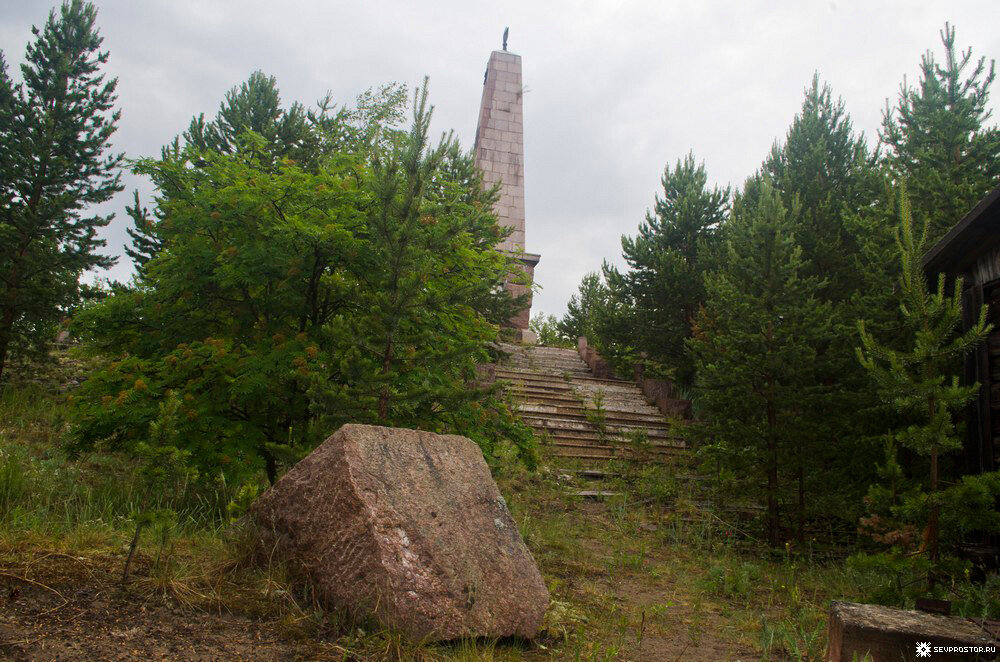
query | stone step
(589,437)
(595,494)
(609,388)
(616,401)
(586,387)
(592,474)
(548,398)
(582,424)
(539,375)
(584,378)
(540,388)
(554,352)
(554,363)
(562,447)
(533,379)
(554,391)
(559,361)
(579,410)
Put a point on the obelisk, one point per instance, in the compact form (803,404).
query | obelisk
(500,155)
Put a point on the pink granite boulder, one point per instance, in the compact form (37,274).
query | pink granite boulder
(409,527)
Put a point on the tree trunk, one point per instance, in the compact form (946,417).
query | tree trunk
(270,466)
(6,333)
(932,520)
(383,400)
(772,475)
(801,532)
(131,552)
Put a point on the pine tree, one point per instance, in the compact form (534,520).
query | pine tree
(829,171)
(256,106)
(919,381)
(826,171)
(583,309)
(428,262)
(938,139)
(664,279)
(754,348)
(55,131)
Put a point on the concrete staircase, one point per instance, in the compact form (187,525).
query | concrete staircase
(580,417)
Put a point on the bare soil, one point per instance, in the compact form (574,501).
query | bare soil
(61,607)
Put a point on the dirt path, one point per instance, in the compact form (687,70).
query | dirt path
(60,607)
(618,593)
(638,606)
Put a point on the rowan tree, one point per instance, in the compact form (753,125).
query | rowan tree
(287,301)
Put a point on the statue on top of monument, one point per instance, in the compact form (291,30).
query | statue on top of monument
(505,31)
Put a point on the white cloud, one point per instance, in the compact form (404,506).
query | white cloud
(617,89)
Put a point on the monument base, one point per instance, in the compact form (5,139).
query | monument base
(527,337)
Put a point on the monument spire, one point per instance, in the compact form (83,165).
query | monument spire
(499,152)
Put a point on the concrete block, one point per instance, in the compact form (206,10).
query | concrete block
(884,633)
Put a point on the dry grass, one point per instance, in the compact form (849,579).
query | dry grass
(644,576)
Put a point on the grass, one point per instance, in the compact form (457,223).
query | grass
(645,575)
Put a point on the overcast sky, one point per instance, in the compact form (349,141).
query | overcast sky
(615,90)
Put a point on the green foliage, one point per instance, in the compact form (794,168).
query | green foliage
(894,579)
(256,106)
(604,317)
(733,580)
(55,131)
(12,482)
(919,380)
(584,309)
(827,170)
(305,138)
(938,140)
(597,415)
(971,506)
(663,286)
(754,347)
(165,468)
(548,331)
(286,301)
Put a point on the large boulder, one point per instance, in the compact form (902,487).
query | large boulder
(409,527)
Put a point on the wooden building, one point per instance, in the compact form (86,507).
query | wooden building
(971,250)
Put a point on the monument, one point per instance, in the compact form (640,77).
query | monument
(499,151)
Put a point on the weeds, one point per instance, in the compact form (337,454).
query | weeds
(650,563)
(597,416)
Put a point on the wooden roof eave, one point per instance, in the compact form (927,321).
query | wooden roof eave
(976,233)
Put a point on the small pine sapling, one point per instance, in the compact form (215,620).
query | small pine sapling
(920,381)
(165,474)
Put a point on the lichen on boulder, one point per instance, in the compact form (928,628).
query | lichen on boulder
(408,527)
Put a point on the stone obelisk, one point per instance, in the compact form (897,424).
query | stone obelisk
(500,155)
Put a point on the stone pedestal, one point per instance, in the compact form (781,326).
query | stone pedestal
(499,152)
(884,634)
